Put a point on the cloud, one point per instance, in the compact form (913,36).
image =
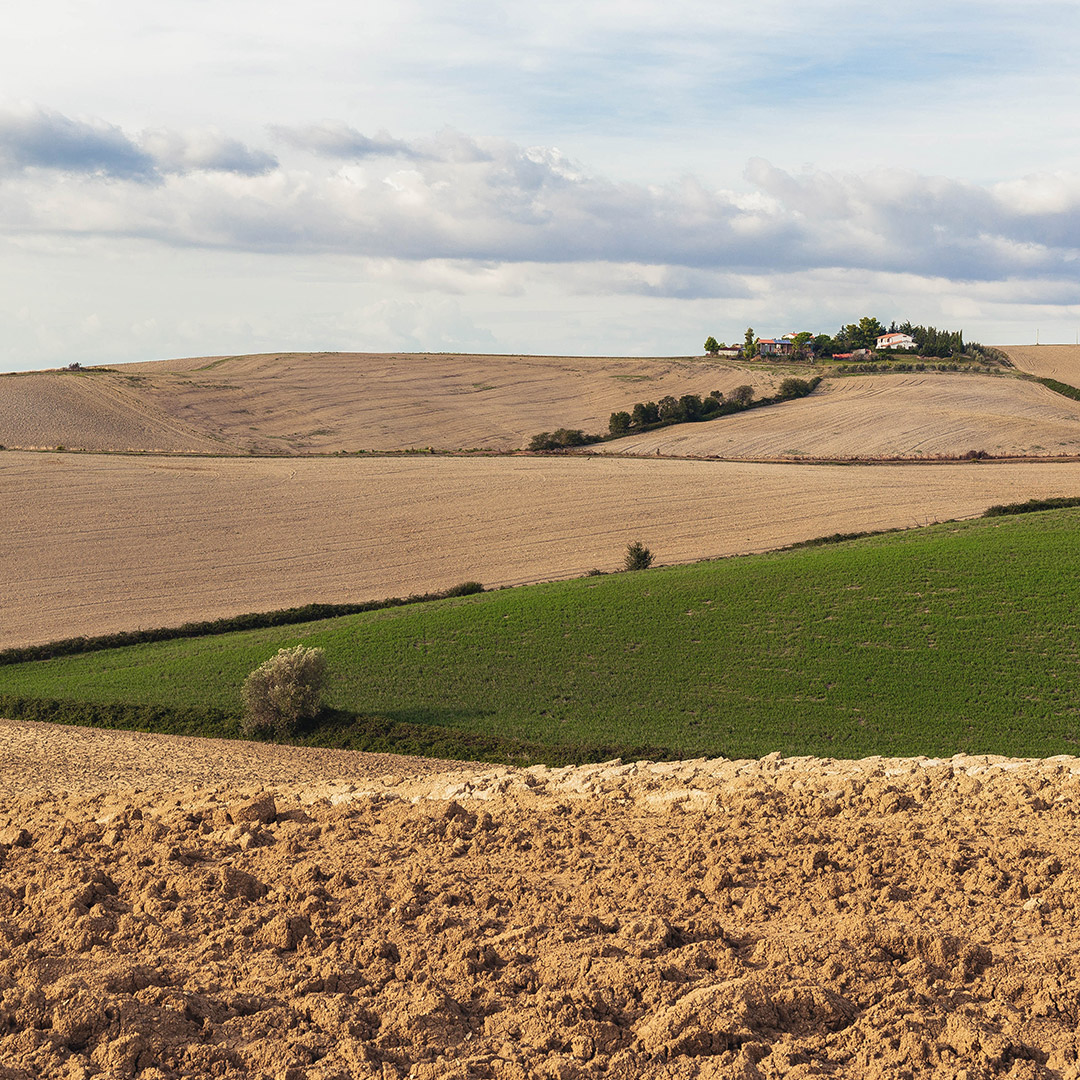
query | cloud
(180,152)
(335,140)
(452,197)
(42,139)
(36,138)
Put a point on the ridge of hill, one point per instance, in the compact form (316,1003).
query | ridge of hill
(303,403)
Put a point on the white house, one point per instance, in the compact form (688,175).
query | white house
(896,341)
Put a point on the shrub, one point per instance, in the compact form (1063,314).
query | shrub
(466,588)
(638,557)
(793,388)
(284,690)
(742,396)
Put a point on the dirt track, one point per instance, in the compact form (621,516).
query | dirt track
(750,920)
(885,416)
(93,544)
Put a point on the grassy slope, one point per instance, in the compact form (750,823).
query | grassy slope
(956,637)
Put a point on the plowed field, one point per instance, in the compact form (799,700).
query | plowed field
(186,908)
(325,402)
(93,544)
(1061,362)
(884,416)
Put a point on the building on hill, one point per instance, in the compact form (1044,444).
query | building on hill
(774,347)
(895,341)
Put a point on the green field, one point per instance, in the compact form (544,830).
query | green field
(956,637)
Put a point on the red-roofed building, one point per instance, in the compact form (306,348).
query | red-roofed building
(896,341)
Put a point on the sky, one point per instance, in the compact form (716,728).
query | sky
(591,178)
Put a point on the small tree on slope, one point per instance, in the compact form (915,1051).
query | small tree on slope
(284,690)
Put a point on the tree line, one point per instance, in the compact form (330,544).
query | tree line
(690,408)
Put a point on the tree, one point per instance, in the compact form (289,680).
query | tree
(619,423)
(712,346)
(670,410)
(802,342)
(690,404)
(284,690)
(750,348)
(869,331)
(638,557)
(742,396)
(644,414)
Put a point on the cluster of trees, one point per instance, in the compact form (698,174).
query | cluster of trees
(562,439)
(670,410)
(929,341)
(647,415)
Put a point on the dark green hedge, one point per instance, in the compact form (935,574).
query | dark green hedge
(333,729)
(1061,388)
(1032,505)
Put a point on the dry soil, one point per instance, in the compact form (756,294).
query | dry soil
(97,543)
(187,908)
(1061,362)
(885,416)
(325,402)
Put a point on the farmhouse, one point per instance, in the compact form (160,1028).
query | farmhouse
(896,341)
(774,347)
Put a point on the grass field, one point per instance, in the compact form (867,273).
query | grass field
(957,637)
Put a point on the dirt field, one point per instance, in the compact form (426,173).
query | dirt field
(324,402)
(1061,362)
(93,544)
(884,416)
(711,919)
(46,409)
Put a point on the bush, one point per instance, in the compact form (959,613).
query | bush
(742,396)
(284,690)
(793,388)
(466,588)
(638,557)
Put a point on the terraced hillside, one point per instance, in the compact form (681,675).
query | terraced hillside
(884,416)
(326,402)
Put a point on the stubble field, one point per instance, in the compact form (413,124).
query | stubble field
(885,416)
(94,544)
(326,402)
(1061,362)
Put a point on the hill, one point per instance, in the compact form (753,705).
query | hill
(94,544)
(884,416)
(301,403)
(1061,362)
(957,637)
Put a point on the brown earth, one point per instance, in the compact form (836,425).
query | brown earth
(884,416)
(187,908)
(1061,362)
(98,543)
(324,402)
